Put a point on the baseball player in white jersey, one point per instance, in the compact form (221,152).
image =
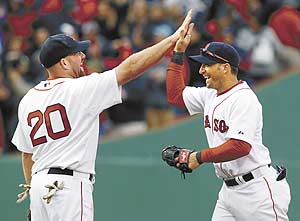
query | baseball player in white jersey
(58,124)
(252,188)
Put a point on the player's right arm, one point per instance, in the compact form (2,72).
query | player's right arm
(137,63)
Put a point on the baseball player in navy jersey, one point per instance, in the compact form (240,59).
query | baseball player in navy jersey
(58,124)
(252,188)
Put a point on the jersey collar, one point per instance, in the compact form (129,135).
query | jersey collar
(238,83)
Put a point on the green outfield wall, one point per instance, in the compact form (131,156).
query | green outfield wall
(133,184)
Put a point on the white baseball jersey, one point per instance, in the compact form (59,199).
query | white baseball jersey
(59,120)
(236,113)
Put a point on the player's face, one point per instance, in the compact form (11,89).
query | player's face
(214,76)
(76,64)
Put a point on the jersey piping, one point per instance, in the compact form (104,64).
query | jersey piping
(240,82)
(212,118)
(49,88)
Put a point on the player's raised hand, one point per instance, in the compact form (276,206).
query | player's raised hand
(184,26)
(184,39)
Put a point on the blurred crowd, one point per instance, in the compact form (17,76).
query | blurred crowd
(266,34)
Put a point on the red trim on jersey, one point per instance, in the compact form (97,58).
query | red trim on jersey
(240,82)
(49,88)
(81,202)
(212,118)
(271,196)
(230,150)
(176,79)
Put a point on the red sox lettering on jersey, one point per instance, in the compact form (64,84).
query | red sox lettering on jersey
(219,125)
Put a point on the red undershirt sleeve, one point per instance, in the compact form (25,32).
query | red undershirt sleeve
(230,150)
(176,79)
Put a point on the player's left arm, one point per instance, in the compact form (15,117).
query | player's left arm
(232,149)
(27,163)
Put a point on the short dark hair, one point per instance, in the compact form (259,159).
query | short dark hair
(234,70)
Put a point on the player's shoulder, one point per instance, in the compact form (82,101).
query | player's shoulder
(246,89)
(96,76)
(209,92)
(244,93)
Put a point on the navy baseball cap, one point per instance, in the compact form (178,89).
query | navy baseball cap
(217,52)
(59,46)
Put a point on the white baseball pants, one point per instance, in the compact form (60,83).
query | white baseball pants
(260,199)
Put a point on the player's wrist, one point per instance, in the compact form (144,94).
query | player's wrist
(198,157)
(177,57)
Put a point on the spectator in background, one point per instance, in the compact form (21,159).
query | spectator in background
(69,30)
(128,118)
(36,71)
(137,21)
(7,115)
(108,20)
(17,67)
(285,22)
(266,51)
(90,30)
(158,112)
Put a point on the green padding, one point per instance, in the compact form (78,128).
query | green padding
(133,183)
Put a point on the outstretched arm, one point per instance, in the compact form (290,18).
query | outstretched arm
(137,63)
(177,71)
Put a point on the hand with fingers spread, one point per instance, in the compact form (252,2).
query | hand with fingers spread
(22,196)
(184,39)
(183,29)
(52,189)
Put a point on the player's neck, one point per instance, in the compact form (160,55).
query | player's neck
(227,85)
(54,74)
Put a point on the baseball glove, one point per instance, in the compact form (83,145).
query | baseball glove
(177,157)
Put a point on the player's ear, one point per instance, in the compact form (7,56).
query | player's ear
(226,68)
(64,63)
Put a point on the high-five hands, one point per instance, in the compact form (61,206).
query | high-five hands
(184,28)
(184,39)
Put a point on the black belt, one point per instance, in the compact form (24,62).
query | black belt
(57,170)
(247,177)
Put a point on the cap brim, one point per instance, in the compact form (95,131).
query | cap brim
(203,60)
(82,45)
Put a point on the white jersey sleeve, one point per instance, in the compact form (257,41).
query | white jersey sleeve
(98,95)
(195,98)
(20,141)
(244,117)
